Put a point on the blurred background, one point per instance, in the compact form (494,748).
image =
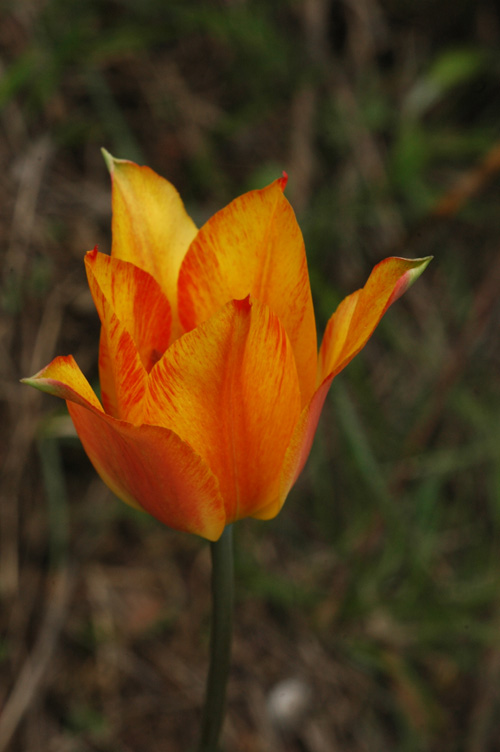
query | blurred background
(368,612)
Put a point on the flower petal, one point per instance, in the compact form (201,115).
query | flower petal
(63,378)
(145,466)
(347,332)
(230,389)
(152,468)
(356,318)
(137,301)
(254,246)
(122,375)
(150,226)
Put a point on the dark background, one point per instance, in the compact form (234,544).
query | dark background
(377,587)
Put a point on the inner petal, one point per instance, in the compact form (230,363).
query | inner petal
(230,389)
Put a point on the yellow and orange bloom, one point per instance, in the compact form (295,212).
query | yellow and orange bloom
(211,382)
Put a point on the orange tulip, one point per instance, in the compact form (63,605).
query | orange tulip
(210,378)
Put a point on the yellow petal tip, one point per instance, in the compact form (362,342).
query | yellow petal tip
(109,159)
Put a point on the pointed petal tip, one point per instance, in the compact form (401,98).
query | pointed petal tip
(419,265)
(48,386)
(283,180)
(41,378)
(40,382)
(92,255)
(63,378)
(414,269)
(113,162)
(109,159)
(28,380)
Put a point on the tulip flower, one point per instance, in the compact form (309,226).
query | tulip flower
(211,382)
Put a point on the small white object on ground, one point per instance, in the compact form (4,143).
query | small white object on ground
(288,702)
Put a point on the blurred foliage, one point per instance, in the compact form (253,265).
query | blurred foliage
(385,557)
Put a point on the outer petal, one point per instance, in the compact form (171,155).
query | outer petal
(354,321)
(151,228)
(153,468)
(254,246)
(230,389)
(347,332)
(145,466)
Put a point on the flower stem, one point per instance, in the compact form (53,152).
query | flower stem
(220,640)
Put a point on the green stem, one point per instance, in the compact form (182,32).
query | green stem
(220,640)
